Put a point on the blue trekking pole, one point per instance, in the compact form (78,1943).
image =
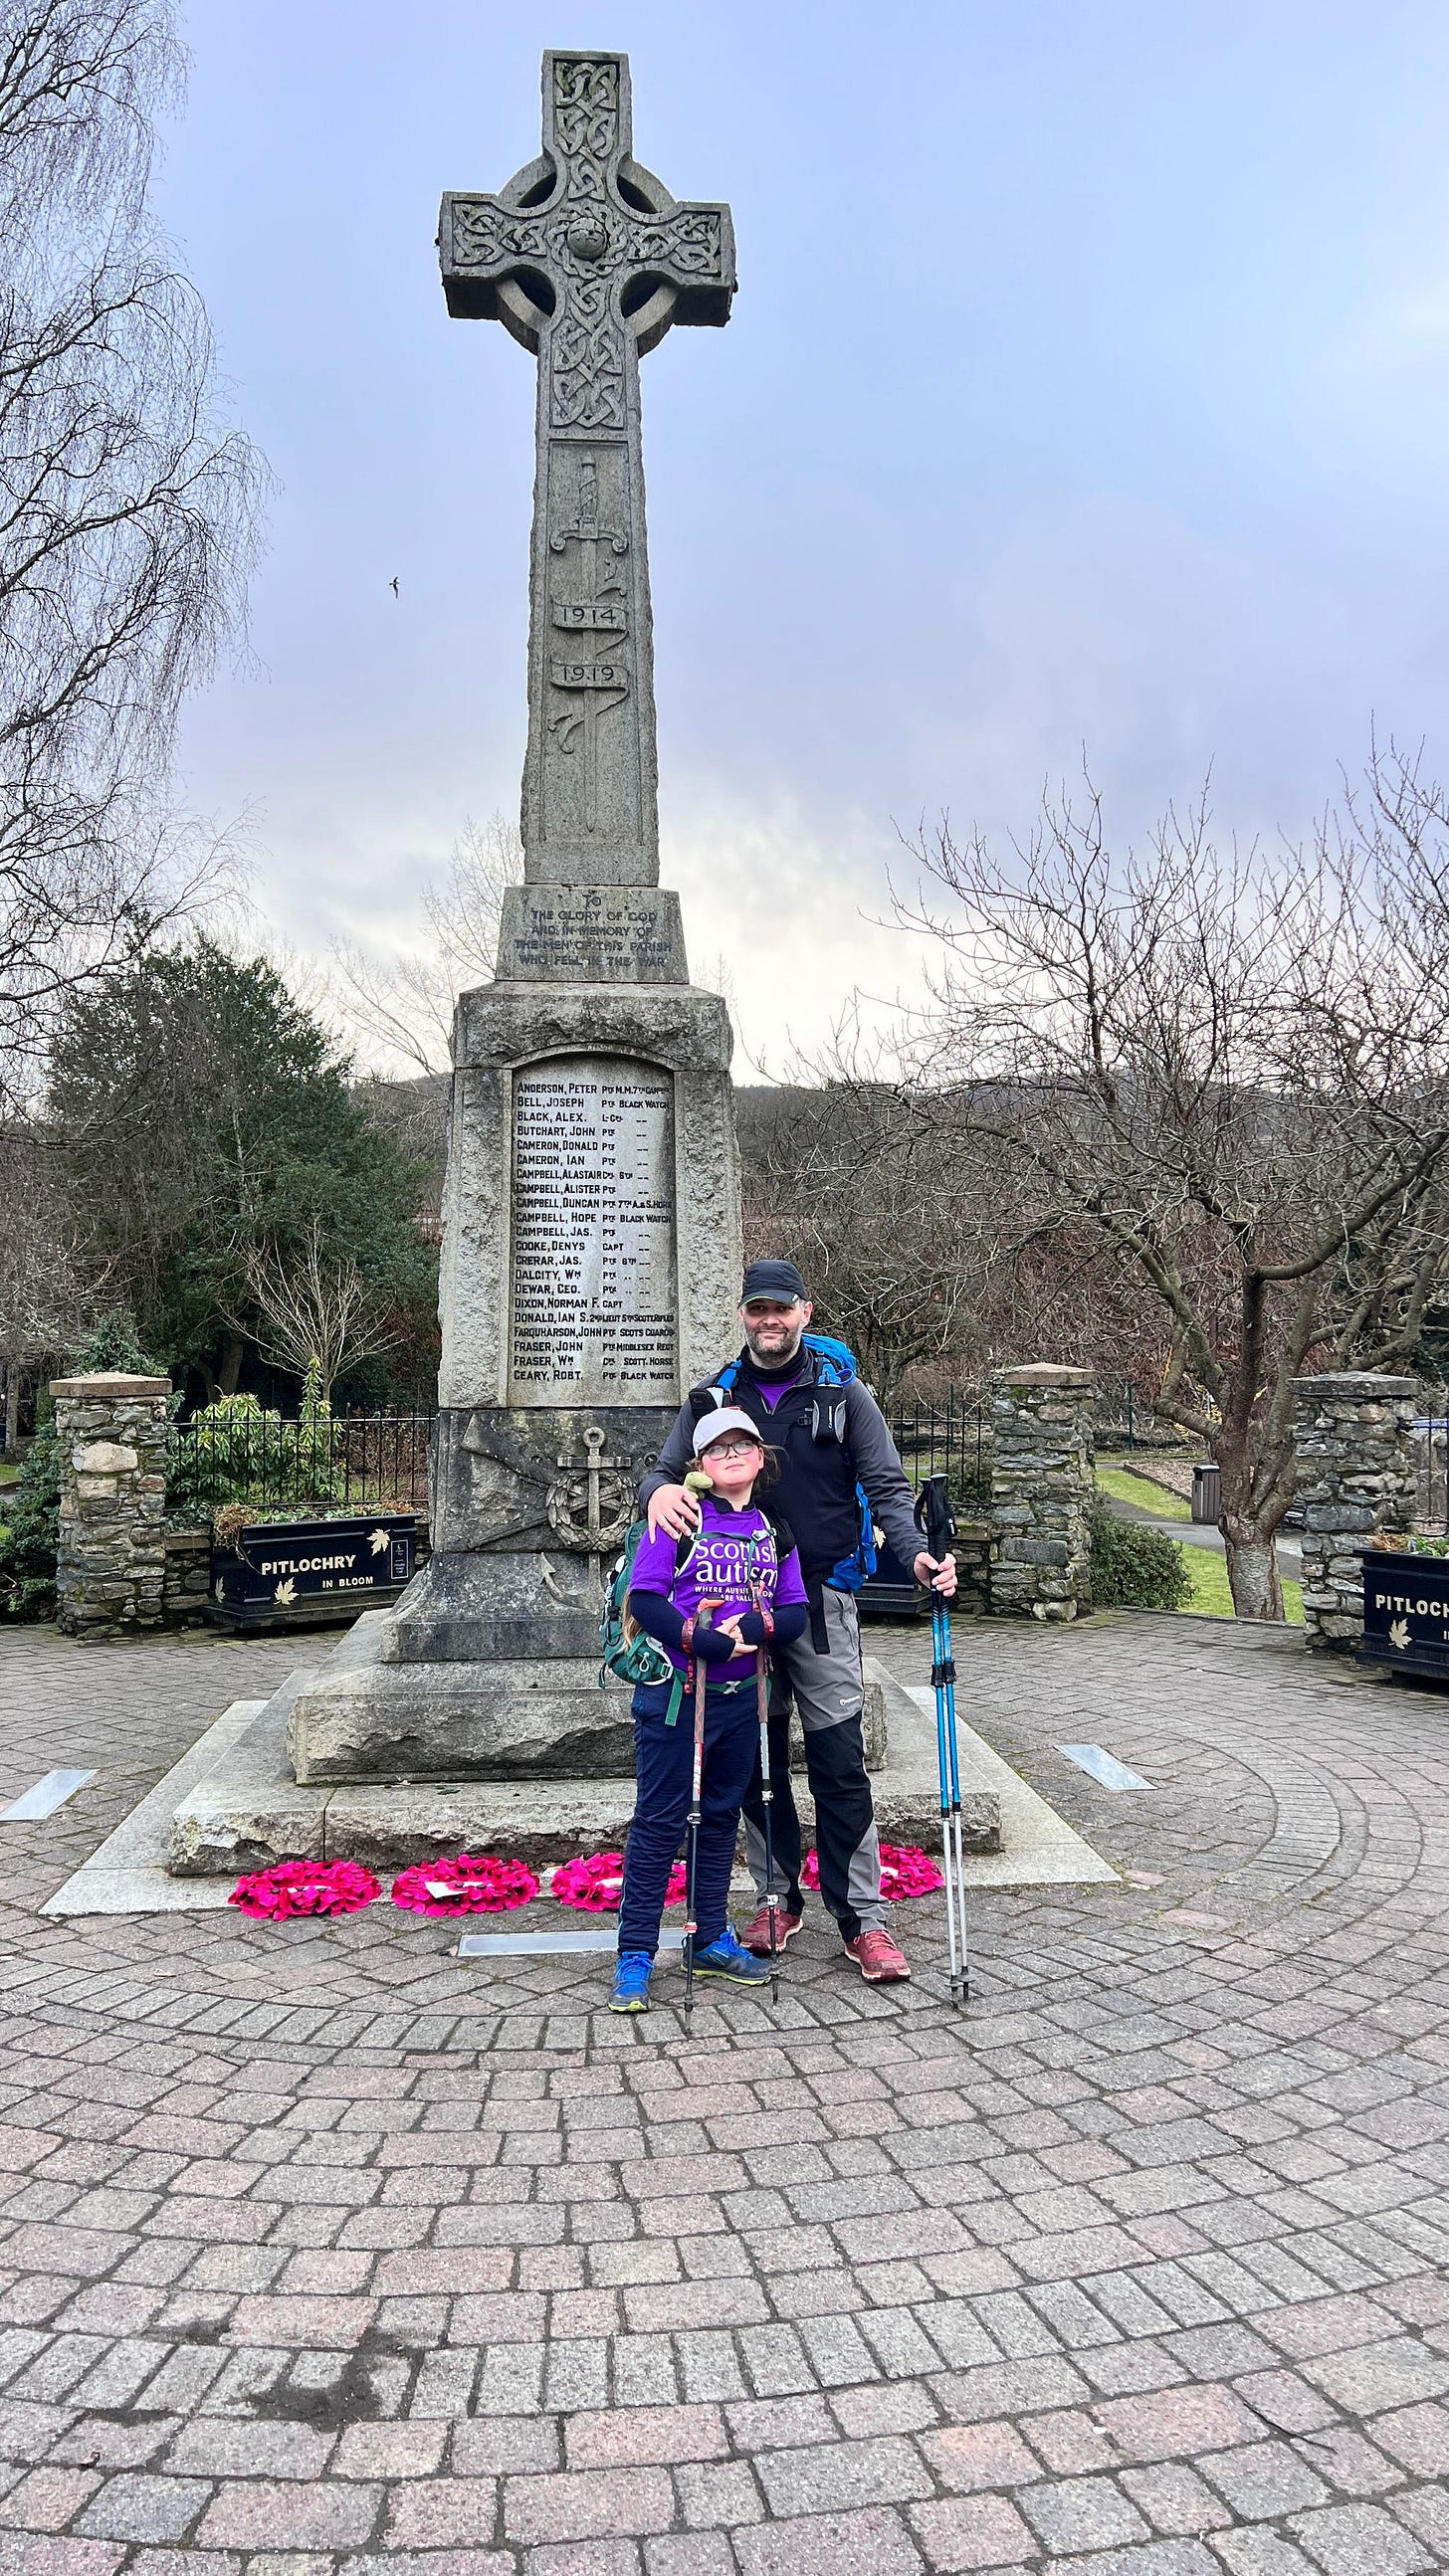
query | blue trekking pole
(934,1520)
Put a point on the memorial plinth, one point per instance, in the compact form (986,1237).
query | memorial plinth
(590,1259)
(591,1244)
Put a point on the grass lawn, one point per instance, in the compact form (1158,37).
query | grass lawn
(1211,1598)
(1124,1487)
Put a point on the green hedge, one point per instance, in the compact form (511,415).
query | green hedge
(1136,1568)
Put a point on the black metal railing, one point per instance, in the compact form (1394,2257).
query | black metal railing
(1124,1421)
(332,1464)
(1431,1456)
(947,1438)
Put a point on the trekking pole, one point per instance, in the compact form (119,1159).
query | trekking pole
(703,1618)
(767,1801)
(933,1517)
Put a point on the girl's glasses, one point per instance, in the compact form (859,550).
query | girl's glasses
(732,1448)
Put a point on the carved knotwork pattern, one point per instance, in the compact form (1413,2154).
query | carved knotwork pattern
(587,360)
(487,236)
(682,246)
(585,344)
(586,110)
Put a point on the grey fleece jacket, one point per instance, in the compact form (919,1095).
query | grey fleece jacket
(873,1453)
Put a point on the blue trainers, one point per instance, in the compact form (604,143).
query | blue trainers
(733,1966)
(631,1982)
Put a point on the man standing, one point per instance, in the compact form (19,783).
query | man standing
(828,1438)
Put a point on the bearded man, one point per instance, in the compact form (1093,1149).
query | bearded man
(829,1440)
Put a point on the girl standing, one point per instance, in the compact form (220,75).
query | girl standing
(738,1587)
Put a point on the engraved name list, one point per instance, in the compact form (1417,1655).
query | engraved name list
(592,1285)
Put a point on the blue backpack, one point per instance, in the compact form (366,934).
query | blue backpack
(837,1368)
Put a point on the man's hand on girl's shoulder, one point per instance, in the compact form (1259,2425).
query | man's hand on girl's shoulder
(672,1509)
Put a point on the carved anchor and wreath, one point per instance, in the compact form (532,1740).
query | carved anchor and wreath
(590,1507)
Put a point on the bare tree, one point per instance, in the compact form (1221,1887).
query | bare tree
(1227,1073)
(873,1213)
(398,1010)
(126,510)
(313,1312)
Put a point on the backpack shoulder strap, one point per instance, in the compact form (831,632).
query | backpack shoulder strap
(712,1392)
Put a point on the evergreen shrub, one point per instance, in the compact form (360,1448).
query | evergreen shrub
(1134,1567)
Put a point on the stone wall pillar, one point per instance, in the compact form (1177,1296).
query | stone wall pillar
(111,1436)
(1357,1482)
(1042,1475)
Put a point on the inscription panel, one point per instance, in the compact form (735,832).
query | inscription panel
(590,935)
(593,1309)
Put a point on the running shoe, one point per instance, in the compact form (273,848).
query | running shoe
(733,1966)
(878,1959)
(756,1934)
(631,1982)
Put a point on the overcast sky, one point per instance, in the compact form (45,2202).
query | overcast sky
(1086,384)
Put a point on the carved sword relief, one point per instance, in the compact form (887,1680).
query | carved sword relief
(594,686)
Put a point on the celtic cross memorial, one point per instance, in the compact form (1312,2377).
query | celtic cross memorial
(590,1257)
(588,261)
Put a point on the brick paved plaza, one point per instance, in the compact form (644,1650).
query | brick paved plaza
(324,2251)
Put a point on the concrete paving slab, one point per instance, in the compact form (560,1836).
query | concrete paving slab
(128,1873)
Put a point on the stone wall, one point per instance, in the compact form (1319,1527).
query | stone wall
(111,1436)
(186,1580)
(1042,1473)
(1356,1483)
(971,1547)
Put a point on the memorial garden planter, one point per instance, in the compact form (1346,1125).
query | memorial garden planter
(290,1574)
(1406,1612)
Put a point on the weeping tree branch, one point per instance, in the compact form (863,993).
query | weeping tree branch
(128,513)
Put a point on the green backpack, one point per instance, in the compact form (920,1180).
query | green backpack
(630,1654)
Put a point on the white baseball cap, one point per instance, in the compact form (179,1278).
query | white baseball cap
(725,1417)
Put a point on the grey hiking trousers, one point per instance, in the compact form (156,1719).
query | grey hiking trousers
(829,1691)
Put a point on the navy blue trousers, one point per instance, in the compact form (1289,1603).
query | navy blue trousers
(663,1764)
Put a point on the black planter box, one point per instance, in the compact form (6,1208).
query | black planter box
(298,1574)
(892,1592)
(1406,1612)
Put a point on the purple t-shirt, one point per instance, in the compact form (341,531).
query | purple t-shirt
(772,1388)
(734,1552)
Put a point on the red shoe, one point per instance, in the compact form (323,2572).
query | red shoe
(879,1960)
(756,1934)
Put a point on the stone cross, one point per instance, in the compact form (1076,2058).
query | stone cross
(588,261)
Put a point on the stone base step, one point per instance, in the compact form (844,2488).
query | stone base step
(250,1811)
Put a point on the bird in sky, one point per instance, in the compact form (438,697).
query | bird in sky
(397,594)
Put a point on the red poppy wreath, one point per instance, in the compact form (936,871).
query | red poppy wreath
(904,1871)
(482,1886)
(594,1884)
(305,1887)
